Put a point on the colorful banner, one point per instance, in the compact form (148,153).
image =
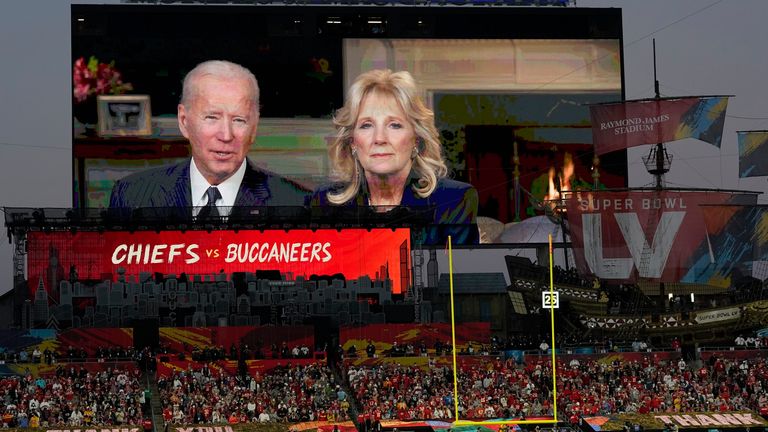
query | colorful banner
(91,339)
(46,370)
(617,126)
(84,343)
(187,339)
(649,234)
(753,153)
(13,340)
(175,339)
(93,256)
(738,238)
(463,361)
(383,336)
(230,367)
(420,362)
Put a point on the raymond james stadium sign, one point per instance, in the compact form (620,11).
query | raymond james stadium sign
(362,2)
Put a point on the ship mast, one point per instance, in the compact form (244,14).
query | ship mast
(657,161)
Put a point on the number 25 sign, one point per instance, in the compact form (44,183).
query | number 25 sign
(550,300)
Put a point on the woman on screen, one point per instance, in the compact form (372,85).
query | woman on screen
(387,153)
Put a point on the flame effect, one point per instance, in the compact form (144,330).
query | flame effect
(564,178)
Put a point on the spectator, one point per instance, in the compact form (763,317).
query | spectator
(36,355)
(750,341)
(676,344)
(543,347)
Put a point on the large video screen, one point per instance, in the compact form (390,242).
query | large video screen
(107,279)
(510,88)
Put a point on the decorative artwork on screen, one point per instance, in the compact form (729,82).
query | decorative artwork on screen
(124,115)
(550,130)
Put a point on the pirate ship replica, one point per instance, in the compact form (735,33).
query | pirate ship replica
(663,262)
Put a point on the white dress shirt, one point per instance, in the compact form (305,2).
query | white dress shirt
(228,189)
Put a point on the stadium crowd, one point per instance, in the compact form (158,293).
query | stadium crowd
(497,345)
(500,388)
(653,385)
(73,397)
(390,391)
(289,393)
(244,352)
(489,387)
(71,354)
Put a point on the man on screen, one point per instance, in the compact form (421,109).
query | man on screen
(219,115)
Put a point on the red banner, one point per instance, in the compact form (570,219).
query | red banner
(463,361)
(354,253)
(229,367)
(90,339)
(617,126)
(186,339)
(654,235)
(384,336)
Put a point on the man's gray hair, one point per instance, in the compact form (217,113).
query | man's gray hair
(221,69)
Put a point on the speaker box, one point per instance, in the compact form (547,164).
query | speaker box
(146,333)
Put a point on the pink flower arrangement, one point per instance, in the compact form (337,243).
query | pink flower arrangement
(94,78)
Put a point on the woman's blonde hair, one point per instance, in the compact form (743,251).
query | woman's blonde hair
(428,164)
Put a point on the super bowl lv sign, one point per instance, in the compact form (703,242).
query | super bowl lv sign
(651,234)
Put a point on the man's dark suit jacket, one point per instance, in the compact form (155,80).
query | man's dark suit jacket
(169,188)
(452,209)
